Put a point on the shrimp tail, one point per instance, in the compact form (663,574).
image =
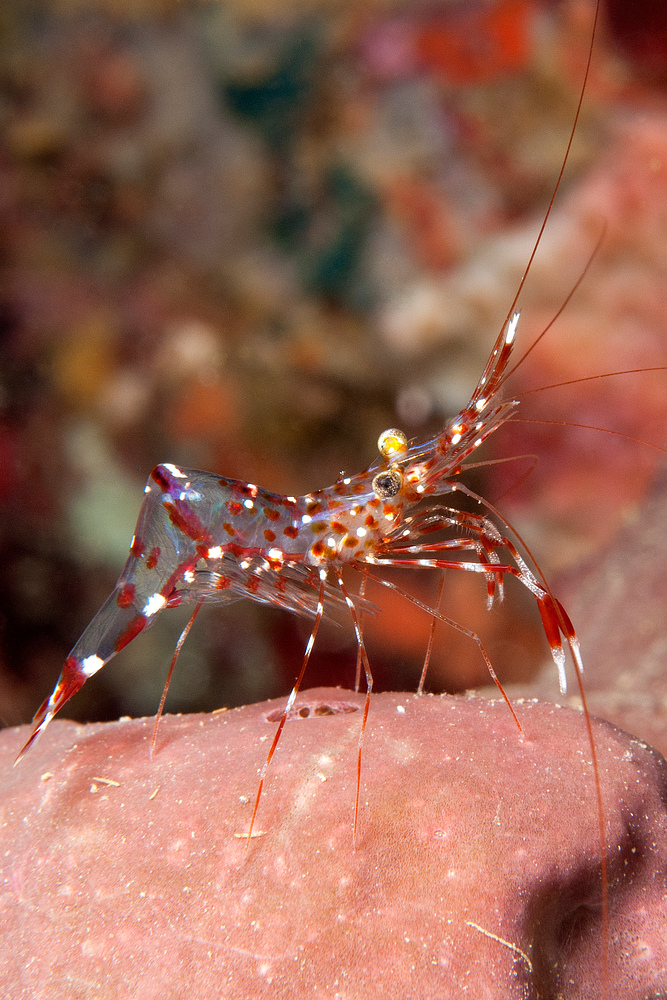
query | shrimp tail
(72,678)
(158,558)
(106,635)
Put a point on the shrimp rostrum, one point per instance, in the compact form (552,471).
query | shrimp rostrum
(202,538)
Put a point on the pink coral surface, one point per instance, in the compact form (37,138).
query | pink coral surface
(476,869)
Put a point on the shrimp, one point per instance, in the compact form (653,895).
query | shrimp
(202,538)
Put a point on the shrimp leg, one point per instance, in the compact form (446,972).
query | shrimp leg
(554,619)
(179,645)
(290,701)
(436,614)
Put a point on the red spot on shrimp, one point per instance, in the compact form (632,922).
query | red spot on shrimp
(272,515)
(72,676)
(136,626)
(314,507)
(340,489)
(234,508)
(359,488)
(291,531)
(270,535)
(318,549)
(281,584)
(71,667)
(126,596)
(202,551)
(160,478)
(253,584)
(223,583)
(153,558)
(228,528)
(370,521)
(71,679)
(137,548)
(182,518)
(338,528)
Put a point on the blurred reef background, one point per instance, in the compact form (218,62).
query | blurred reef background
(247,236)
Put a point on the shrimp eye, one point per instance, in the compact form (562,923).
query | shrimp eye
(387,484)
(392,443)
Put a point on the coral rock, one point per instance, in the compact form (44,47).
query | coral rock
(476,869)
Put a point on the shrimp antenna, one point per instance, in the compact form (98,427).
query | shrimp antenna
(589,60)
(568,298)
(584,427)
(591,378)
